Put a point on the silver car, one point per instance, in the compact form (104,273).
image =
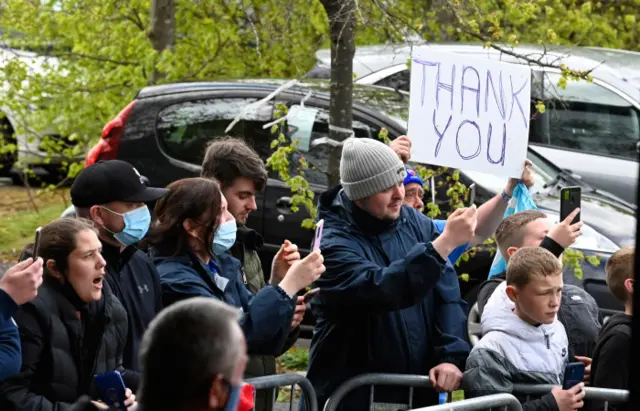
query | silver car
(592,129)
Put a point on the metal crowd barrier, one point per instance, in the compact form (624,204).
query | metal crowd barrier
(274,382)
(590,393)
(479,403)
(403,380)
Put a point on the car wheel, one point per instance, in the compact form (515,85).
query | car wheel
(473,324)
(473,319)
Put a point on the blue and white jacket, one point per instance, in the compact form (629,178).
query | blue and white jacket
(513,351)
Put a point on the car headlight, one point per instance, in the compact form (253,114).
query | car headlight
(590,239)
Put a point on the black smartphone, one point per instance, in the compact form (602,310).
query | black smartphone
(310,294)
(573,375)
(36,245)
(570,198)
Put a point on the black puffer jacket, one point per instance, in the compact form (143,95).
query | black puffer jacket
(64,344)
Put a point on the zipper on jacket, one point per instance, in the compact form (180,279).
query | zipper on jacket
(546,340)
(244,275)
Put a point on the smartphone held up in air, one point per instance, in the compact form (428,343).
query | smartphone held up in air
(570,199)
(318,236)
(573,375)
(112,390)
(36,244)
(472,194)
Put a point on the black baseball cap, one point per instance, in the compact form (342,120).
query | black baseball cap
(112,180)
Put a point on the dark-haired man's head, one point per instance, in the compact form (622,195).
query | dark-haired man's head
(240,172)
(193,357)
(526,228)
(534,284)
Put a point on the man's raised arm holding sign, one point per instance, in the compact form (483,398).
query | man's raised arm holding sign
(489,214)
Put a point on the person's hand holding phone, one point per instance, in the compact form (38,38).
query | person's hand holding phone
(459,229)
(564,233)
(130,401)
(298,314)
(303,273)
(283,260)
(22,280)
(571,399)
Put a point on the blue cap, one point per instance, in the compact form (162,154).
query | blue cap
(412,177)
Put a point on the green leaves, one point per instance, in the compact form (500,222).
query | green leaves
(103,55)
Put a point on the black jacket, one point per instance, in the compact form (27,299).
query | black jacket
(64,344)
(134,280)
(611,359)
(578,310)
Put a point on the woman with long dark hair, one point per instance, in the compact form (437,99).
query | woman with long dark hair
(191,231)
(75,327)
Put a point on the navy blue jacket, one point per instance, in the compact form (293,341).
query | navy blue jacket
(267,316)
(388,302)
(10,352)
(134,280)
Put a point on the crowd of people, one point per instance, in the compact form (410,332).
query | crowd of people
(176,299)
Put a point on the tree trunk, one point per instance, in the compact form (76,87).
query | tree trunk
(162,31)
(342,23)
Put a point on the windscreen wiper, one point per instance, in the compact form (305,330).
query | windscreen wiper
(562,175)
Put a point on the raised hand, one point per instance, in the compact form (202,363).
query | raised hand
(303,273)
(402,147)
(571,399)
(283,260)
(22,280)
(565,233)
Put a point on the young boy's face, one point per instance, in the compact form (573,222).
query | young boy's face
(532,234)
(538,302)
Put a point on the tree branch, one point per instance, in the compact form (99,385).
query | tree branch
(95,58)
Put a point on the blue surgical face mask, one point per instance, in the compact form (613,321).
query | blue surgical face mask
(224,237)
(136,225)
(233,399)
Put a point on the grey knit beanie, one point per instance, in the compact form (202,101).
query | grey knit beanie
(368,167)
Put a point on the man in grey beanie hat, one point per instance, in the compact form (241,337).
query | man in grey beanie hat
(389,300)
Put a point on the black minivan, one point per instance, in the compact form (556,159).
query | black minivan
(164,130)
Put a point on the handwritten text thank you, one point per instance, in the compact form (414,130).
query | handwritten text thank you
(469,113)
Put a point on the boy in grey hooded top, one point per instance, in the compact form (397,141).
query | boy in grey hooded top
(523,342)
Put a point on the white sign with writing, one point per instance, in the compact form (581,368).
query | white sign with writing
(469,113)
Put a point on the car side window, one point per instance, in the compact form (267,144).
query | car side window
(398,81)
(184,129)
(309,128)
(586,117)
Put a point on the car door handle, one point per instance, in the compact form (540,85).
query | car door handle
(283,205)
(284,202)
